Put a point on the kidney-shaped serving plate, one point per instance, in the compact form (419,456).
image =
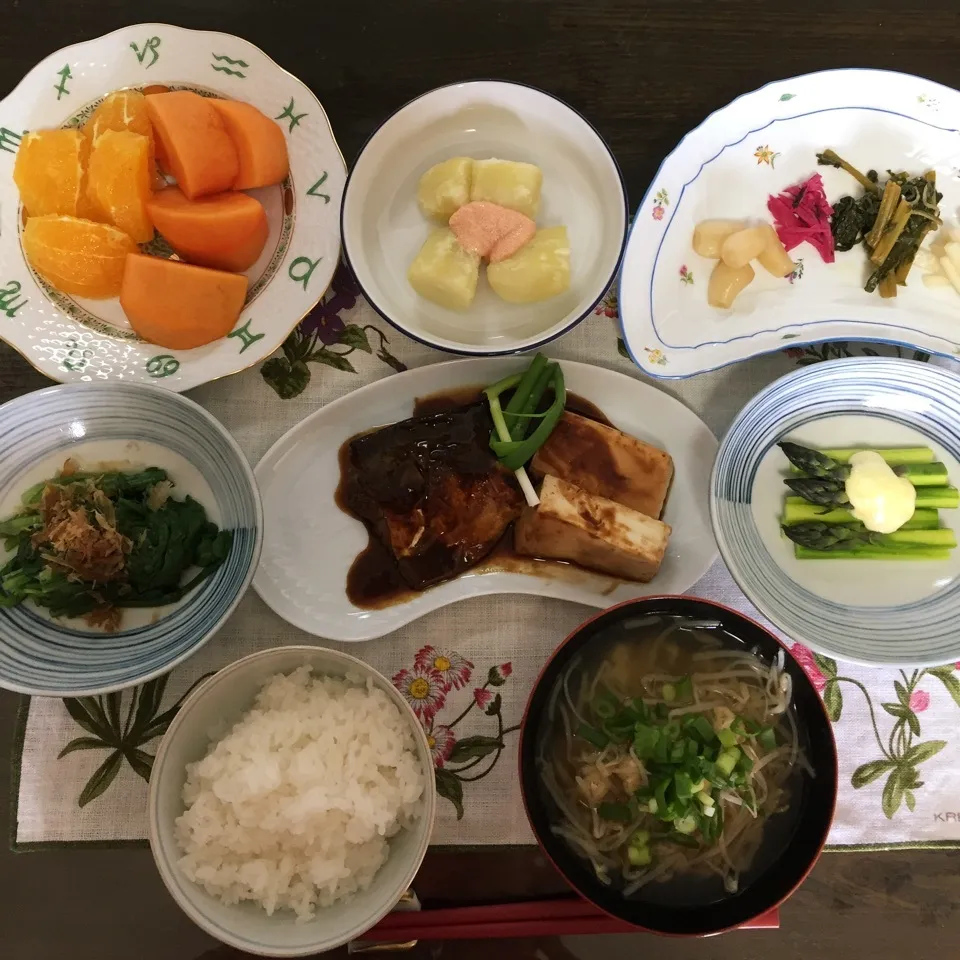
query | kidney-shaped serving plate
(727,167)
(75,339)
(307,554)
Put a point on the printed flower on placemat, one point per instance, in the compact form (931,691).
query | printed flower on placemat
(456,760)
(805,658)
(607,307)
(901,751)
(423,689)
(497,676)
(442,742)
(325,337)
(454,669)
(100,718)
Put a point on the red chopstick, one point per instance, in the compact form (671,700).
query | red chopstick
(560,916)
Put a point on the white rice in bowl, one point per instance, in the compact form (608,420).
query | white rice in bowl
(294,807)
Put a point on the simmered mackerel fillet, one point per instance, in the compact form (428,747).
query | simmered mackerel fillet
(604,461)
(431,490)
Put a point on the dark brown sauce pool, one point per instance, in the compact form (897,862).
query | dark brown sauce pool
(374,580)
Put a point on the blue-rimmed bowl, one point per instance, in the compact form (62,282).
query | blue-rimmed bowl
(98,421)
(904,613)
(383,228)
(206,715)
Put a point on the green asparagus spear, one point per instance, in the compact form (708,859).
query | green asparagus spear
(822,465)
(811,463)
(894,456)
(871,552)
(797,510)
(825,492)
(938,498)
(824,537)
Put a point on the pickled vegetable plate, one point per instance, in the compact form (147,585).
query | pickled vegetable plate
(726,168)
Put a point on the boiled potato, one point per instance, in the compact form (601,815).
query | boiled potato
(445,188)
(537,271)
(444,272)
(509,183)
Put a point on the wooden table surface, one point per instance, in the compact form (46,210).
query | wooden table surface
(644,73)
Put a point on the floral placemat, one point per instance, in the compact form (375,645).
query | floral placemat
(81,766)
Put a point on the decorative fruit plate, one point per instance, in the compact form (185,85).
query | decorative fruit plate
(758,145)
(76,339)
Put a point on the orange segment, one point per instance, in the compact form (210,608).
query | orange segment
(49,172)
(119,182)
(78,257)
(122,110)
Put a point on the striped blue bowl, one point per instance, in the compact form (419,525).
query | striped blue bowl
(42,657)
(905,613)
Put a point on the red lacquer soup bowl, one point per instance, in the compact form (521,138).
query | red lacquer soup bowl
(689,903)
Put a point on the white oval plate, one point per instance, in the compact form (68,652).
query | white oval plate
(583,190)
(72,339)
(306,554)
(758,145)
(863,611)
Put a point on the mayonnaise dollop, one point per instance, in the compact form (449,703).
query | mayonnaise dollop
(879,499)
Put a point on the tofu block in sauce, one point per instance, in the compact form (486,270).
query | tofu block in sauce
(444,273)
(538,271)
(445,188)
(606,462)
(507,182)
(597,533)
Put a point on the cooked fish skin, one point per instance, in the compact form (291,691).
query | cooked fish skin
(607,462)
(572,524)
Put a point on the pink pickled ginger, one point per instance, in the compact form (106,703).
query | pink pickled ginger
(801,213)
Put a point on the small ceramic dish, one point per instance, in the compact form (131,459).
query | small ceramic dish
(74,339)
(727,167)
(872,612)
(212,709)
(145,426)
(678,913)
(383,228)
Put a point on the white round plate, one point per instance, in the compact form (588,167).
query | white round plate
(383,228)
(73,339)
(306,555)
(727,167)
(864,611)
